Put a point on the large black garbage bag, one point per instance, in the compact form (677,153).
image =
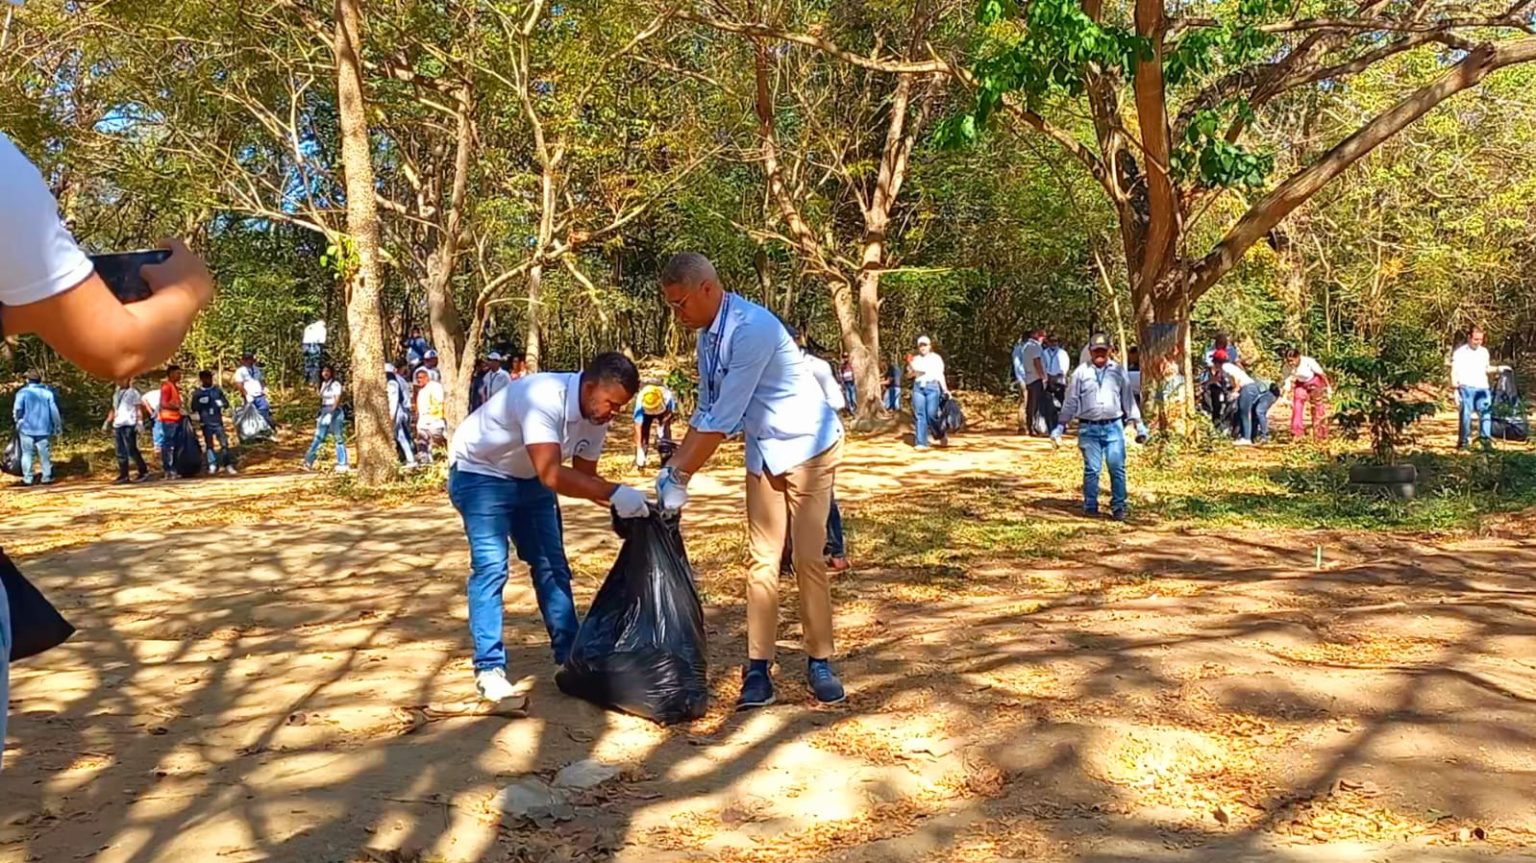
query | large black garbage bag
(36,625)
(188,458)
(641,647)
(10,462)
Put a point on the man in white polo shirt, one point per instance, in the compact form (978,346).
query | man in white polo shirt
(753,379)
(1470,365)
(506,468)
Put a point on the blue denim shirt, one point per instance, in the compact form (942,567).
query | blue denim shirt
(36,412)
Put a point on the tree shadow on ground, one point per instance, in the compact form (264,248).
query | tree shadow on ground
(1084,691)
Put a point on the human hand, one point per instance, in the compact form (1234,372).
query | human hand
(1056,434)
(183,268)
(671,492)
(629,502)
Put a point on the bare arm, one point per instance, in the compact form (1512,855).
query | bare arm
(580,481)
(92,329)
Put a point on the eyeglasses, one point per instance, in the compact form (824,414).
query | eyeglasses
(677,304)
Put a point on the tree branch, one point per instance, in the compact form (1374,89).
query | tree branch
(1302,185)
(874,64)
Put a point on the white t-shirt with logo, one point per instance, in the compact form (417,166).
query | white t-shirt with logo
(330,395)
(38,257)
(539,408)
(249,382)
(1236,374)
(125,407)
(1469,367)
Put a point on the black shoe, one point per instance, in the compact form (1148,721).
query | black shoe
(122,480)
(1118,515)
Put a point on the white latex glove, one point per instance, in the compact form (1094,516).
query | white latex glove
(671,493)
(1056,434)
(639,456)
(629,502)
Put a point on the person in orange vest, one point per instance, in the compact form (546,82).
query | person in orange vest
(174,434)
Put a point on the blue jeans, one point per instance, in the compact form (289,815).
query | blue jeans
(1479,399)
(158,435)
(892,398)
(849,395)
(264,408)
(1098,441)
(925,410)
(835,546)
(44,455)
(215,432)
(172,438)
(312,363)
(522,510)
(1253,404)
(403,440)
(334,425)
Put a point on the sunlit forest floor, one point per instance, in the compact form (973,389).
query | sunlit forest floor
(1260,665)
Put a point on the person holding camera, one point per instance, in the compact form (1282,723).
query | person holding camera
(49,288)
(1100,398)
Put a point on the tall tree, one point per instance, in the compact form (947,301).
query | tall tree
(1174,91)
(365,326)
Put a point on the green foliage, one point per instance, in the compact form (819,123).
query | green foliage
(1378,388)
(1206,156)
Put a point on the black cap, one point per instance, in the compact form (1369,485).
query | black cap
(1099,340)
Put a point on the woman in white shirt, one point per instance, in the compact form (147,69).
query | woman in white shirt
(331,422)
(928,389)
(1308,384)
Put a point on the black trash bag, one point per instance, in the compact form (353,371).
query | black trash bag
(188,458)
(1512,428)
(11,462)
(36,625)
(641,648)
(951,419)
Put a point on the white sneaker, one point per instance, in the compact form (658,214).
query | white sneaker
(1242,441)
(230,469)
(494,685)
(341,468)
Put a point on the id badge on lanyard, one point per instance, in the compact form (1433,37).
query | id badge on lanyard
(712,386)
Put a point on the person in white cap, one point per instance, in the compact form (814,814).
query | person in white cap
(754,381)
(928,390)
(430,364)
(495,377)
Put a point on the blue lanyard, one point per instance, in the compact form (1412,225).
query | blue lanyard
(712,357)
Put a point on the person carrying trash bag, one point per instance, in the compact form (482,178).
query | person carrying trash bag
(505,468)
(754,379)
(641,648)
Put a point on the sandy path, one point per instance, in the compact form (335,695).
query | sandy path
(236,691)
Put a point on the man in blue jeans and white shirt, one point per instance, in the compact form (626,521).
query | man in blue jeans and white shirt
(506,468)
(37,422)
(1100,397)
(1470,366)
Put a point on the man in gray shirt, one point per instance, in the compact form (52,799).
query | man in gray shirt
(1100,397)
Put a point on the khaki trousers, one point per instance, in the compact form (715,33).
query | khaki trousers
(798,501)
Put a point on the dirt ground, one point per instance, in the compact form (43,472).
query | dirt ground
(257,658)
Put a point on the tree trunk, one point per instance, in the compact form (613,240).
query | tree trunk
(1163,334)
(864,351)
(375,452)
(442,311)
(534,345)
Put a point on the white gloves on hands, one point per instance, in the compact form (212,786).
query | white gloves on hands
(629,502)
(671,492)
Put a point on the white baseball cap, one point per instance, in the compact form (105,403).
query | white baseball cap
(494,356)
(389,367)
(923,340)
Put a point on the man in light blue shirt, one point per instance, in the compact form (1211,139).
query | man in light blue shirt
(1100,397)
(754,380)
(1029,372)
(37,420)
